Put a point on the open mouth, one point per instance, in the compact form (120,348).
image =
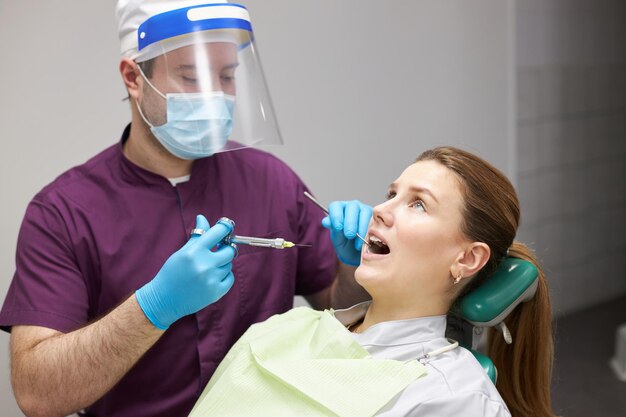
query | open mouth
(377,246)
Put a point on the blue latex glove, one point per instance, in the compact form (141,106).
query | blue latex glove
(191,279)
(345,219)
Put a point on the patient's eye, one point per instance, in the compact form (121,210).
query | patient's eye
(418,205)
(390,195)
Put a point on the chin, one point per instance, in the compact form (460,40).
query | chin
(367,276)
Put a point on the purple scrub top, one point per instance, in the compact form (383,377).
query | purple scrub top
(103,229)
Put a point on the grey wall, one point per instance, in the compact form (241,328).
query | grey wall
(359,87)
(571,123)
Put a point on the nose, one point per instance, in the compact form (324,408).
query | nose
(222,83)
(210,80)
(382,213)
(216,81)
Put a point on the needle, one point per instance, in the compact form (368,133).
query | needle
(320,205)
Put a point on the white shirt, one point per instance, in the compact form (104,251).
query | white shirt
(179,180)
(456,384)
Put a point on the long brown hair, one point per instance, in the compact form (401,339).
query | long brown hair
(491,215)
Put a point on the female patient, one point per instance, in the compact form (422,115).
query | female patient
(448,221)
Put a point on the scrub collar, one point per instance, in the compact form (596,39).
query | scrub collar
(396,332)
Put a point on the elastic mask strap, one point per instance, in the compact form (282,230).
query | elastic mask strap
(149,83)
(142,116)
(155,89)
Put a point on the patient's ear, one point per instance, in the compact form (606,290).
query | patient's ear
(472,259)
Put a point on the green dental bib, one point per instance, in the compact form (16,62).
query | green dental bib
(302,363)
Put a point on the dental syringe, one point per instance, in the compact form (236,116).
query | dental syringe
(276,243)
(231,239)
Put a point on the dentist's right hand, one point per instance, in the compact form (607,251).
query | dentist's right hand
(191,279)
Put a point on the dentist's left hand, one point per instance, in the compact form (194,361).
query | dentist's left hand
(191,279)
(345,219)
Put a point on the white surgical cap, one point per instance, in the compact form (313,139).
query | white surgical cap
(132,13)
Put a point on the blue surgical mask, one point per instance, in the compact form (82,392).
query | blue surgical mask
(198,124)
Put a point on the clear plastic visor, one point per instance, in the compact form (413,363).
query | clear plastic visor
(210,74)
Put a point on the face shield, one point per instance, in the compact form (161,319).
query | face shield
(204,87)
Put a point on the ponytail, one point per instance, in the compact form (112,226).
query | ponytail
(525,366)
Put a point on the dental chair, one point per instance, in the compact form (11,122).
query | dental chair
(514,281)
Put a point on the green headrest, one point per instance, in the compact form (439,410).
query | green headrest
(513,282)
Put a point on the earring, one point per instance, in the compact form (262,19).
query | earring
(458,278)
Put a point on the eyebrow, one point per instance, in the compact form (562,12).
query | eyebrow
(417,189)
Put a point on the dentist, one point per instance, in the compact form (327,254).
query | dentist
(113,309)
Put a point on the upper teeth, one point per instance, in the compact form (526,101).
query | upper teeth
(376,240)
